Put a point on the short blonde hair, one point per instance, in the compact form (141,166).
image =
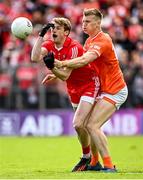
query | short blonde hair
(63,22)
(93,11)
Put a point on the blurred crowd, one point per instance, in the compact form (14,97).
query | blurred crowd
(20,80)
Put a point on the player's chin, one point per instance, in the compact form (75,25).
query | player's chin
(85,31)
(56,40)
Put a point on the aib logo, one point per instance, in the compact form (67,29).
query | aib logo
(9,123)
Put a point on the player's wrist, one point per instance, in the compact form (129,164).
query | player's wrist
(64,63)
(54,69)
(40,38)
(45,28)
(49,60)
(43,31)
(41,35)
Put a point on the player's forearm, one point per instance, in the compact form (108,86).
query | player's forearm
(75,63)
(79,61)
(61,73)
(36,50)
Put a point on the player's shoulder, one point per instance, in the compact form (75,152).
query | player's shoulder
(75,48)
(75,43)
(103,40)
(105,37)
(48,43)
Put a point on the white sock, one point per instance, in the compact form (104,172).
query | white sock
(87,156)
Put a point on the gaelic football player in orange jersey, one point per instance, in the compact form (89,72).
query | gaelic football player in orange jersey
(82,84)
(100,53)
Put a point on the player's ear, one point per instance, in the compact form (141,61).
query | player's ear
(98,22)
(67,32)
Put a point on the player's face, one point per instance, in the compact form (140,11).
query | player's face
(58,33)
(89,25)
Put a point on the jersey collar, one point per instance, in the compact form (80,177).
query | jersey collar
(96,35)
(66,44)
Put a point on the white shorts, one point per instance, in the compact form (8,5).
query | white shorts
(88,99)
(117,99)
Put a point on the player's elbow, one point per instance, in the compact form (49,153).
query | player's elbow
(34,58)
(64,78)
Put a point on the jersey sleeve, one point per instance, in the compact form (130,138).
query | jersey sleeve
(98,47)
(75,51)
(47,45)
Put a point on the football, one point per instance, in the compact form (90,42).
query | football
(21,27)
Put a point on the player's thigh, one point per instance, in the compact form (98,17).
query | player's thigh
(82,113)
(74,99)
(101,112)
(87,100)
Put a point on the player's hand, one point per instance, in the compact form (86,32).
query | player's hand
(49,60)
(48,77)
(45,28)
(58,64)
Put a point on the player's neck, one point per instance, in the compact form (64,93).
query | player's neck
(60,44)
(95,33)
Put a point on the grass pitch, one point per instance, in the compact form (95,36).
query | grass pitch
(54,157)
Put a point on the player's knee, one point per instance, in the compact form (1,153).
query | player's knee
(78,125)
(92,127)
(89,127)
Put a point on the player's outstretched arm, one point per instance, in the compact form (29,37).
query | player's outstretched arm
(77,62)
(37,51)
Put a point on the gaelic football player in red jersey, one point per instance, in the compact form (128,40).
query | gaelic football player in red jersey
(82,84)
(100,53)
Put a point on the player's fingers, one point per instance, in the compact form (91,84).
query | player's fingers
(45,80)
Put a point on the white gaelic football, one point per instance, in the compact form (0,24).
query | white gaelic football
(21,27)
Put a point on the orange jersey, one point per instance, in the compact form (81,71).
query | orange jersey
(107,63)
